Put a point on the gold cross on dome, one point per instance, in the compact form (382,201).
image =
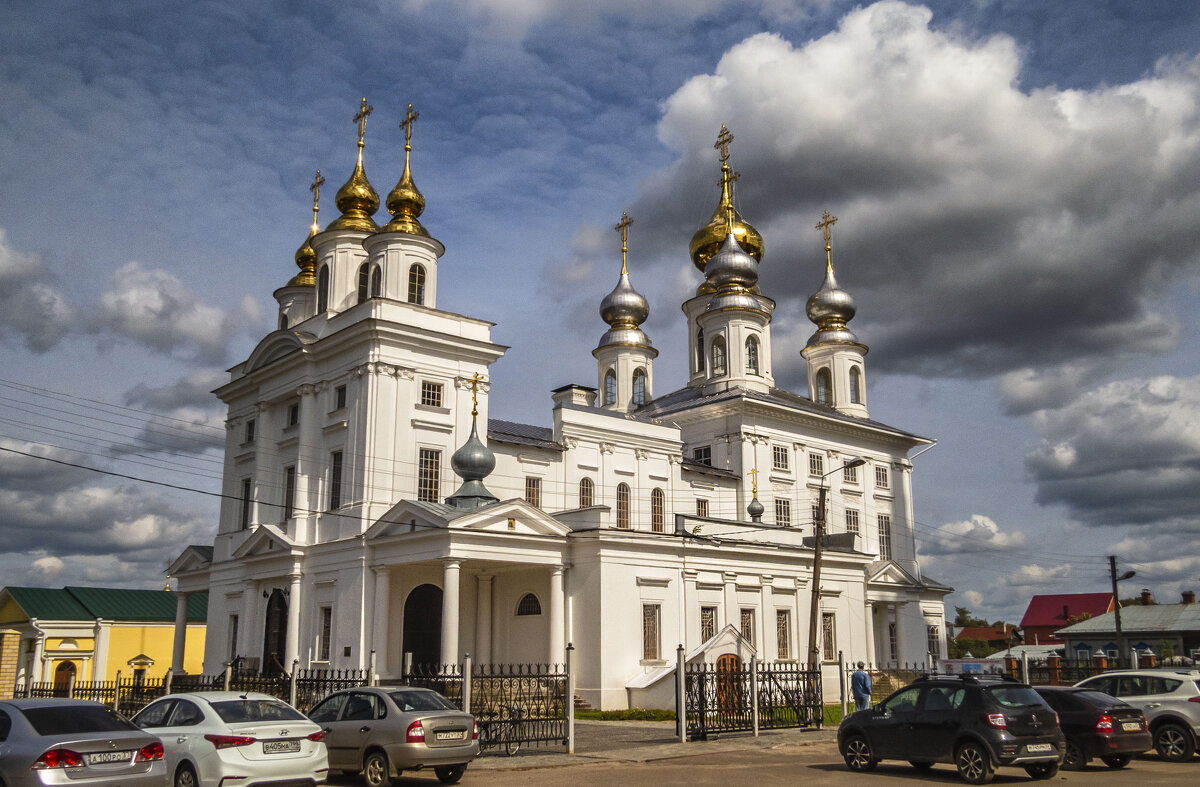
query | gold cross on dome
(825,223)
(361,119)
(723,140)
(315,188)
(475,378)
(407,125)
(754,480)
(623,228)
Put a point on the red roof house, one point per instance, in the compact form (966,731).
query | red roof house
(1047,614)
(995,636)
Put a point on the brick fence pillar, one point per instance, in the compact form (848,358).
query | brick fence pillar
(1054,665)
(1100,662)
(10,645)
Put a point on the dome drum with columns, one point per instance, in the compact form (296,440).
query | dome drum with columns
(365,477)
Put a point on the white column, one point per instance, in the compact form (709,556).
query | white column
(450,571)
(770,637)
(483,619)
(309,464)
(381,628)
(263,485)
(691,609)
(903,650)
(558,645)
(869,615)
(733,615)
(100,651)
(180,633)
(291,649)
(250,593)
(38,668)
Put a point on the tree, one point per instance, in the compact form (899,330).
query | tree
(962,618)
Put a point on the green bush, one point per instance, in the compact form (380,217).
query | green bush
(633,714)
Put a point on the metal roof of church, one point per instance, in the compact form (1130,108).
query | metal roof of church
(125,604)
(521,434)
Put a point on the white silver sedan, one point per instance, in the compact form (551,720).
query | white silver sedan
(219,738)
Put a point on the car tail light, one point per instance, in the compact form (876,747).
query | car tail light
(319,735)
(229,741)
(150,752)
(1194,699)
(996,721)
(58,758)
(1104,724)
(415,733)
(474,730)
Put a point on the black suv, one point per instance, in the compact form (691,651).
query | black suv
(974,721)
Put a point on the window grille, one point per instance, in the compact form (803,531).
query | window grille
(428,475)
(416,285)
(783,632)
(850,475)
(881,476)
(293,414)
(335,480)
(431,394)
(364,282)
(703,455)
(289,491)
(533,491)
(587,493)
(701,507)
(829,635)
(529,605)
(816,464)
(851,521)
(718,357)
(639,387)
(250,425)
(339,397)
(246,495)
(933,637)
(747,621)
(779,457)
(752,355)
(783,512)
(708,623)
(885,537)
(650,649)
(623,505)
(610,387)
(323,646)
(658,505)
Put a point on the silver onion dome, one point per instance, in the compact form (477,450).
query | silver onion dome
(473,462)
(755,510)
(624,307)
(831,308)
(731,267)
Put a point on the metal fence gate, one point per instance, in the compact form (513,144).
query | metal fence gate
(744,697)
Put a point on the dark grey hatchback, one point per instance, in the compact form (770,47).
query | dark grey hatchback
(975,722)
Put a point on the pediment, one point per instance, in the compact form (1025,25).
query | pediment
(511,516)
(265,541)
(277,345)
(191,559)
(891,574)
(409,516)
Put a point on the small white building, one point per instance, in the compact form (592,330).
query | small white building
(342,533)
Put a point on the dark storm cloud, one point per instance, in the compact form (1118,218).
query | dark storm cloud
(31,306)
(194,390)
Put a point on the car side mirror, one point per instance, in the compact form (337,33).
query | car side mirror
(879,710)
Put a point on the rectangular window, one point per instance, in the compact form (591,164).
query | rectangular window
(650,651)
(783,512)
(816,464)
(892,641)
(851,521)
(885,537)
(323,645)
(339,398)
(783,632)
(335,480)
(881,476)
(293,414)
(708,623)
(289,492)
(933,637)
(703,455)
(233,637)
(244,520)
(431,394)
(779,457)
(533,491)
(701,507)
(428,485)
(747,620)
(250,428)
(850,475)
(829,635)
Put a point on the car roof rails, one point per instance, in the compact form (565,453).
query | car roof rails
(979,677)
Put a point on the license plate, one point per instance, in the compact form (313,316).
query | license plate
(1038,748)
(454,735)
(1131,726)
(108,756)
(281,747)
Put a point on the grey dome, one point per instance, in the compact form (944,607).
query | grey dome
(731,267)
(831,308)
(624,307)
(473,461)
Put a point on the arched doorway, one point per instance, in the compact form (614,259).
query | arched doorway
(730,677)
(423,625)
(64,674)
(275,634)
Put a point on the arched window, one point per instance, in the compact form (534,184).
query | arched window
(529,605)
(323,289)
(364,282)
(752,355)
(283,322)
(658,505)
(376,281)
(639,386)
(855,385)
(824,386)
(610,387)
(416,285)
(718,356)
(623,505)
(700,350)
(587,493)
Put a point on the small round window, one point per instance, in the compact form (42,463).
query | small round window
(529,605)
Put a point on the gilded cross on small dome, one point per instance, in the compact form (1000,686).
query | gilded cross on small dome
(754,481)
(623,228)
(475,378)
(825,223)
(407,125)
(315,188)
(723,140)
(361,119)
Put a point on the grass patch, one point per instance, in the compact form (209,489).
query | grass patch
(833,715)
(633,714)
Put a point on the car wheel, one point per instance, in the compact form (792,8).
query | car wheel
(919,765)
(185,776)
(375,769)
(1042,770)
(974,763)
(450,774)
(857,754)
(1073,759)
(1173,743)
(1116,760)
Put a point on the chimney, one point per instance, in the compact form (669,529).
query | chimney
(1147,599)
(1189,597)
(1066,613)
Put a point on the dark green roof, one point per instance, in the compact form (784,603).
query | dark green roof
(79,603)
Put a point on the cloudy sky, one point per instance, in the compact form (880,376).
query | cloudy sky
(1017,185)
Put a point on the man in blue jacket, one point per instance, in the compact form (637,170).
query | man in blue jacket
(860,687)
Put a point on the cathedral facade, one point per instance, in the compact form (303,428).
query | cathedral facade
(375,514)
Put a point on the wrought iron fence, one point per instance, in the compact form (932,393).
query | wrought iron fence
(737,698)
(885,678)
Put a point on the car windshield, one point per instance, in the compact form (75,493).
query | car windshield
(1016,696)
(233,711)
(420,700)
(75,719)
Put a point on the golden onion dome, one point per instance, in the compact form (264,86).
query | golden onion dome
(306,260)
(357,199)
(406,202)
(708,239)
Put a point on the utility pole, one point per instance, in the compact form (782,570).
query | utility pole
(1112,573)
(814,654)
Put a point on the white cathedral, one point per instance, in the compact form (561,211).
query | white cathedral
(365,522)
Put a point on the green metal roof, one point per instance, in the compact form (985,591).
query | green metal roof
(49,604)
(79,603)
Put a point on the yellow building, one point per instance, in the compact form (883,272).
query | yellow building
(91,634)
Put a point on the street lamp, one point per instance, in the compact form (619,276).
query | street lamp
(1112,573)
(819,529)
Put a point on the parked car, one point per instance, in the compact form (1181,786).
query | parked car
(1170,698)
(976,722)
(63,741)
(384,730)
(223,737)
(1097,725)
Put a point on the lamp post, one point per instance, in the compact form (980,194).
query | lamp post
(1112,573)
(814,656)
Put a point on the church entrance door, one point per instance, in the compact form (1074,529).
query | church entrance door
(730,676)
(275,634)
(423,625)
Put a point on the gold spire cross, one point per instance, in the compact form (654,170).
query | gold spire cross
(754,480)
(475,378)
(723,140)
(315,188)
(361,119)
(407,125)
(623,228)
(825,223)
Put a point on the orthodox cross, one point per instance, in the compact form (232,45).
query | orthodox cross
(754,480)
(723,140)
(623,228)
(361,119)
(315,188)
(475,378)
(825,223)
(407,125)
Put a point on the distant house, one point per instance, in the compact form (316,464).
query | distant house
(1047,614)
(1166,630)
(994,636)
(89,634)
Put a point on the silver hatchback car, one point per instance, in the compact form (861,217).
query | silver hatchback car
(1170,698)
(73,742)
(384,730)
